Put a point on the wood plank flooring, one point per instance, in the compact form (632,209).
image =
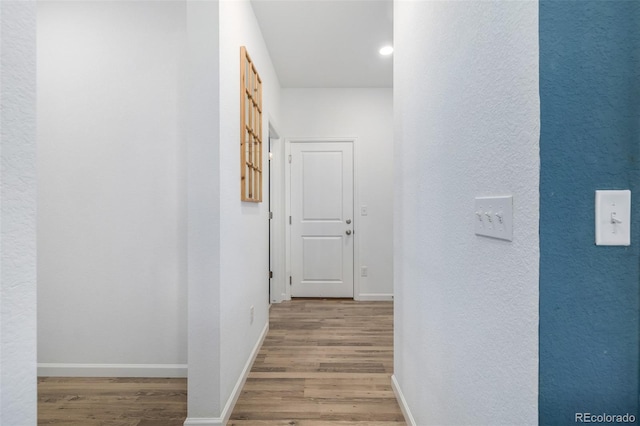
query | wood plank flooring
(323,363)
(80,401)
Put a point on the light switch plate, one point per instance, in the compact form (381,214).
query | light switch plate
(493,217)
(613,218)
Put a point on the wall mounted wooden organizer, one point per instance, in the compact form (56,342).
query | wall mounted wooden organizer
(250,129)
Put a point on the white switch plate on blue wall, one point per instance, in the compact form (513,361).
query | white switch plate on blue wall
(613,218)
(493,217)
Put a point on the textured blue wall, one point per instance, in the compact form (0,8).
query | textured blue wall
(590,139)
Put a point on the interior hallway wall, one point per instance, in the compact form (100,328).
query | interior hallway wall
(18,213)
(113,224)
(112,188)
(202,110)
(368,115)
(466,111)
(590,139)
(244,226)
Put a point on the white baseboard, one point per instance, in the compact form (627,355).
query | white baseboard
(112,370)
(374,297)
(237,389)
(402,402)
(278,299)
(201,421)
(235,393)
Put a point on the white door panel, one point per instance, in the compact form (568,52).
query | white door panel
(321,186)
(322,219)
(322,258)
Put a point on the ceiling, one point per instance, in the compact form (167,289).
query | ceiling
(328,43)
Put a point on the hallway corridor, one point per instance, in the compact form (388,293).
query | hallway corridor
(323,362)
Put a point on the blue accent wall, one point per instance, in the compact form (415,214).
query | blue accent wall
(589,139)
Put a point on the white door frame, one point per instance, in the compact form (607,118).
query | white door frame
(356,207)
(277,222)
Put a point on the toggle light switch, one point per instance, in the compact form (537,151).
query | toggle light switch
(494,217)
(613,218)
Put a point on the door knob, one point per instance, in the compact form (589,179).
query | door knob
(348,221)
(348,231)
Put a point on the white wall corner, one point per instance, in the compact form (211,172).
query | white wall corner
(202,94)
(237,389)
(408,417)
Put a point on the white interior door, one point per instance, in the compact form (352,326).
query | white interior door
(322,219)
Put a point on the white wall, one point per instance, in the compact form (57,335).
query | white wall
(244,232)
(466,114)
(112,185)
(368,115)
(18,213)
(202,108)
(131,198)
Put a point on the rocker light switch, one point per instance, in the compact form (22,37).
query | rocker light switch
(613,218)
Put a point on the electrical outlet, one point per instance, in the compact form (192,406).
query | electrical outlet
(251,315)
(364,271)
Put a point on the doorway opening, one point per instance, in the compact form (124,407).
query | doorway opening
(276,216)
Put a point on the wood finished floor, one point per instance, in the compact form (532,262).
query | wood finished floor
(323,362)
(80,401)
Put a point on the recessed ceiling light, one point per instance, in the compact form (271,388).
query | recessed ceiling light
(387,50)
